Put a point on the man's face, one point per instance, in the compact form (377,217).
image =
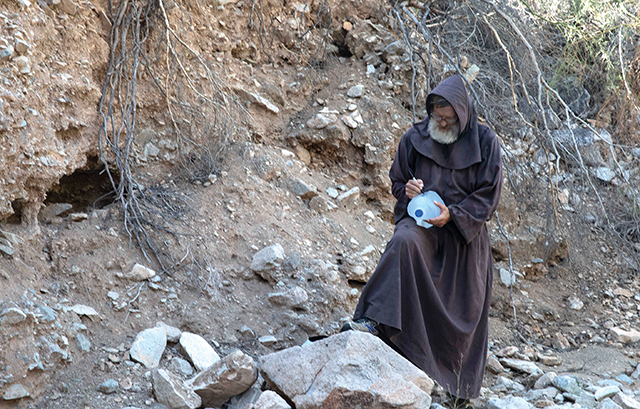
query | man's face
(444,126)
(445,117)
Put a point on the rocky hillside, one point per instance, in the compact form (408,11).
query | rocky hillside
(263,135)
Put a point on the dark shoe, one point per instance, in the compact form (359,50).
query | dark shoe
(362,325)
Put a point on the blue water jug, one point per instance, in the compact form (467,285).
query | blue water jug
(422,208)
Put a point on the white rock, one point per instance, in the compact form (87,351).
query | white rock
(321,121)
(12,316)
(606,392)
(626,401)
(522,366)
(509,402)
(23,64)
(605,174)
(506,278)
(85,310)
(149,346)
(268,258)
(171,391)
(347,370)
(349,122)
(355,91)
(271,400)
(351,195)
(626,337)
(332,193)
(200,353)
(140,273)
(267,340)
(575,303)
(15,391)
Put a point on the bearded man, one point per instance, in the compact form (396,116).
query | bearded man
(430,294)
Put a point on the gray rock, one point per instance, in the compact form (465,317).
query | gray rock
(15,391)
(268,258)
(271,400)
(508,385)
(83,343)
(149,346)
(626,401)
(606,392)
(173,333)
(349,196)
(608,404)
(181,366)
(200,353)
(509,402)
(295,297)
(246,399)
(567,384)
(51,352)
(12,316)
(85,310)
(302,189)
(545,380)
(355,91)
(333,193)
(151,151)
(586,400)
(494,365)
(321,121)
(48,313)
(506,278)
(522,366)
(6,53)
(109,386)
(350,369)
(228,377)
(171,391)
(605,174)
(585,140)
(624,379)
(538,394)
(267,340)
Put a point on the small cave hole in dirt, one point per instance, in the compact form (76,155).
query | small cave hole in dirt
(87,188)
(343,50)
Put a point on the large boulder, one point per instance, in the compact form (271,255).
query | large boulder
(348,370)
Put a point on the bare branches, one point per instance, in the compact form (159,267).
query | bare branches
(200,108)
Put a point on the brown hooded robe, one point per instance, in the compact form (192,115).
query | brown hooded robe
(431,289)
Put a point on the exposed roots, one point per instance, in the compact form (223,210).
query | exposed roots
(203,115)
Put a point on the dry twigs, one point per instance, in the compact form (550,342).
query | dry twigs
(144,44)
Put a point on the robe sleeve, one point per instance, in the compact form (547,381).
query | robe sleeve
(399,176)
(472,212)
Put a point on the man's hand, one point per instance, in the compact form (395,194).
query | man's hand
(413,188)
(444,217)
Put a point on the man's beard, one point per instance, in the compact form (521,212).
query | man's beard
(444,137)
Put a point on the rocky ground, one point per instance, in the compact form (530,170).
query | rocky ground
(277,241)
